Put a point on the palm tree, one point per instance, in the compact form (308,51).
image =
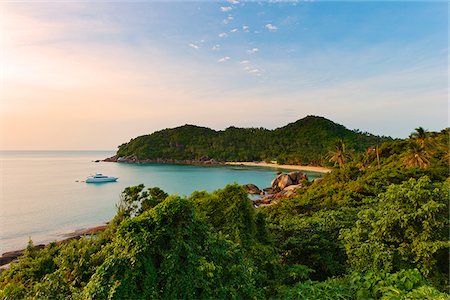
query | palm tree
(416,156)
(339,155)
(420,135)
(423,138)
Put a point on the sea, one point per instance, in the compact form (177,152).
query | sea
(43,195)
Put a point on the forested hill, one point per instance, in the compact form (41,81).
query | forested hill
(306,141)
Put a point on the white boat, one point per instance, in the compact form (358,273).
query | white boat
(100,178)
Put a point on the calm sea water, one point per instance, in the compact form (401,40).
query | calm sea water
(42,196)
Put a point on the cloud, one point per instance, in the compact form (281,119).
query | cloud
(228,20)
(271,27)
(253,50)
(225,8)
(253,71)
(215,47)
(233,1)
(194,46)
(245,28)
(244,62)
(223,59)
(223,35)
(234,30)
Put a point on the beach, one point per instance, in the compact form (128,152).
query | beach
(274,165)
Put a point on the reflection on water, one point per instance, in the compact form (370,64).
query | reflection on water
(43,194)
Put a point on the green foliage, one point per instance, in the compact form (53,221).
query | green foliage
(306,228)
(407,228)
(306,141)
(365,231)
(229,211)
(53,272)
(134,200)
(169,253)
(339,154)
(405,284)
(313,241)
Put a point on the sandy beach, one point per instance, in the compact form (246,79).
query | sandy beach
(288,167)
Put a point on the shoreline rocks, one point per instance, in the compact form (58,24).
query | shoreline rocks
(282,187)
(252,189)
(134,160)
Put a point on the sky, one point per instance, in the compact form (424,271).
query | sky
(94,74)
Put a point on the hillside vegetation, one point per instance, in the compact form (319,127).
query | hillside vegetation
(370,229)
(306,141)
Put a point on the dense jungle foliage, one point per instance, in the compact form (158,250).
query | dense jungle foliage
(373,228)
(304,142)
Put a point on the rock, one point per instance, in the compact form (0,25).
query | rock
(252,189)
(317,180)
(283,181)
(274,183)
(297,177)
(262,201)
(268,190)
(111,159)
(294,187)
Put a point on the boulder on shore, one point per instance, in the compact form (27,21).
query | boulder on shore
(281,181)
(284,181)
(252,189)
(111,159)
(297,177)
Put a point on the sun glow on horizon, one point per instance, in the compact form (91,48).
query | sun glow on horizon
(75,75)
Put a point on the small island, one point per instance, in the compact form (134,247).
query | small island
(306,142)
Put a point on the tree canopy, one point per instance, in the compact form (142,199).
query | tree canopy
(370,230)
(306,141)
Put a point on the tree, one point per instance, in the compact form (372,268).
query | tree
(416,156)
(167,252)
(420,135)
(338,155)
(408,228)
(423,138)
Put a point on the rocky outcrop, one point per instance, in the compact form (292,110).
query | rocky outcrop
(284,180)
(252,189)
(297,177)
(283,186)
(204,160)
(111,159)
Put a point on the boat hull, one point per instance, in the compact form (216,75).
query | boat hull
(101,180)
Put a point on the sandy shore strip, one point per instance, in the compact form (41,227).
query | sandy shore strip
(288,167)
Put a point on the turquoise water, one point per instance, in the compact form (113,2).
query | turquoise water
(41,198)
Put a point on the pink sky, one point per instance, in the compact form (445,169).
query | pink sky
(73,78)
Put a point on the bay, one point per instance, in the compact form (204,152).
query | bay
(43,196)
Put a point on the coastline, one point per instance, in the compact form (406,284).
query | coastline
(10,256)
(274,165)
(213,162)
